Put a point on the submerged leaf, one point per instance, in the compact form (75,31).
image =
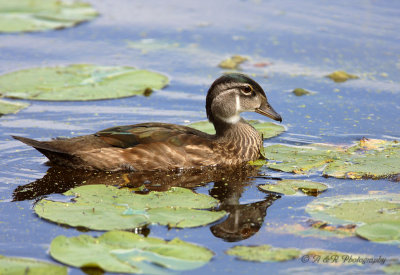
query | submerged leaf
(38,15)
(125,252)
(368,159)
(25,266)
(264,253)
(79,82)
(341,76)
(232,62)
(7,107)
(290,187)
(101,207)
(266,129)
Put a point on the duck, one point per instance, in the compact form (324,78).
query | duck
(156,146)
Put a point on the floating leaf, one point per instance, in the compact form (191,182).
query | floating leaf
(25,266)
(388,231)
(378,215)
(290,187)
(7,107)
(370,158)
(101,207)
(79,82)
(341,76)
(267,129)
(264,253)
(125,252)
(232,62)
(300,92)
(38,15)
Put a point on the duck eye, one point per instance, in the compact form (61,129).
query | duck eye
(247,90)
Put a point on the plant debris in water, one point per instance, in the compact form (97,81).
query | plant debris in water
(39,15)
(79,82)
(369,158)
(101,207)
(125,252)
(233,62)
(290,187)
(300,92)
(341,76)
(7,107)
(23,266)
(377,216)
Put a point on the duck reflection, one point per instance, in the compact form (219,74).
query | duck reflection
(243,221)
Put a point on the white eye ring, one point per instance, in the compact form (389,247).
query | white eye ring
(247,90)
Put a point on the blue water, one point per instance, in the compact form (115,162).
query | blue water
(304,41)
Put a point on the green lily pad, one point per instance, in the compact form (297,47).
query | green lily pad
(39,15)
(341,76)
(388,231)
(370,158)
(7,107)
(392,268)
(25,266)
(267,129)
(264,253)
(300,92)
(377,216)
(125,252)
(290,187)
(232,62)
(101,207)
(79,82)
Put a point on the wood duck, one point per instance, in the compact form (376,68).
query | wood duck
(163,146)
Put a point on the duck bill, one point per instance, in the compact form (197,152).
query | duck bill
(266,110)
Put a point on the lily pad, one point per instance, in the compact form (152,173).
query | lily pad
(232,62)
(341,76)
(388,231)
(290,187)
(125,252)
(101,207)
(25,266)
(267,129)
(370,158)
(39,15)
(264,253)
(377,216)
(79,82)
(300,92)
(7,107)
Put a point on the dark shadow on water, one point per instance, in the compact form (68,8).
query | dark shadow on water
(243,221)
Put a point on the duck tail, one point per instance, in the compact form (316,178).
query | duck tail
(54,154)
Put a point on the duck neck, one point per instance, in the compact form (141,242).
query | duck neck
(239,130)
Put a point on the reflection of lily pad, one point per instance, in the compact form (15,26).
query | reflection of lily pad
(290,187)
(25,266)
(341,76)
(79,82)
(37,15)
(378,216)
(125,252)
(368,159)
(7,107)
(267,129)
(101,207)
(264,253)
(232,62)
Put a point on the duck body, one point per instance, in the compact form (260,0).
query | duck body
(163,146)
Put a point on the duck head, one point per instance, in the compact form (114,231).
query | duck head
(234,93)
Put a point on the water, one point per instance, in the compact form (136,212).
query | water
(303,42)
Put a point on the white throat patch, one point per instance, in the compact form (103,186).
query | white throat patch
(235,118)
